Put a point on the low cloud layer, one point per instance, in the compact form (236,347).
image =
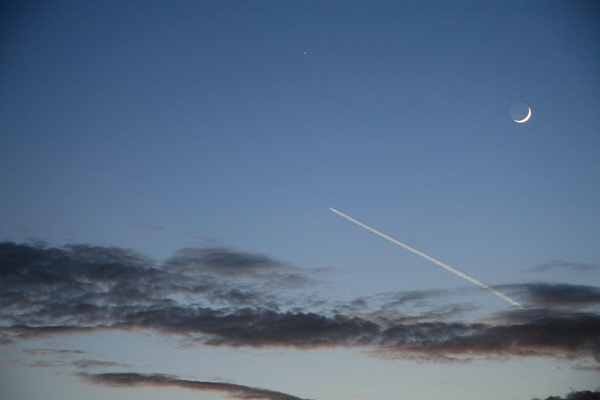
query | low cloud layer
(131,379)
(224,297)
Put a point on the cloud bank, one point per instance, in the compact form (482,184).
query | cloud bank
(225,297)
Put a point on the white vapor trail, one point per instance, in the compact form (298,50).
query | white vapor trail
(433,260)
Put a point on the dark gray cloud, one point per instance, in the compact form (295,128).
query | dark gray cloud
(80,285)
(223,297)
(581,395)
(132,379)
(222,261)
(563,295)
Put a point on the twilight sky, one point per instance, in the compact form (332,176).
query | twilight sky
(166,172)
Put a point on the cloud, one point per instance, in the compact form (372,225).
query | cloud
(53,352)
(58,357)
(92,364)
(154,228)
(587,367)
(44,364)
(222,261)
(224,297)
(563,295)
(161,230)
(133,379)
(555,264)
(582,395)
(79,364)
(37,281)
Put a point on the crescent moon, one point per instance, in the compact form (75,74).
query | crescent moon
(524,119)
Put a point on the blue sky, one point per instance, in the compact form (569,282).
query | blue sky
(165,163)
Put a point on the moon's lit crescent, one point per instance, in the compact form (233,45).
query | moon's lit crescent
(526,118)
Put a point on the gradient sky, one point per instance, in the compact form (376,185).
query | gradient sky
(166,170)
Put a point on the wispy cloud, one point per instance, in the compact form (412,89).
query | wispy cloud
(79,364)
(93,364)
(224,297)
(161,230)
(59,358)
(234,391)
(565,265)
(148,227)
(53,352)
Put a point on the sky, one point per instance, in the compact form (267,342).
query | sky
(168,168)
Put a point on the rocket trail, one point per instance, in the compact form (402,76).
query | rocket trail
(433,260)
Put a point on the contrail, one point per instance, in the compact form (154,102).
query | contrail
(433,260)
